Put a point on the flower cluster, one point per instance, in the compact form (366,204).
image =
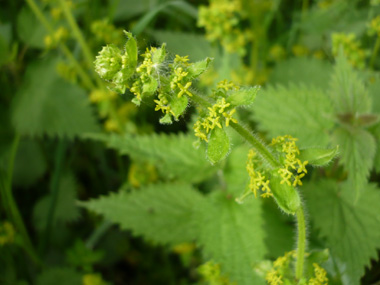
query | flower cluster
(172,97)
(59,36)
(93,279)
(219,114)
(258,179)
(288,150)
(351,48)
(105,32)
(7,233)
(153,76)
(146,82)
(275,275)
(211,273)
(287,153)
(320,276)
(222,20)
(280,269)
(374,26)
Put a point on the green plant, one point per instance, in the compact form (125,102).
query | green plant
(269,167)
(183,193)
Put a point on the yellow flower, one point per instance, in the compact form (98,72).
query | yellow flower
(7,233)
(93,279)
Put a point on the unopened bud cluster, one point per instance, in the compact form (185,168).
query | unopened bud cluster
(170,82)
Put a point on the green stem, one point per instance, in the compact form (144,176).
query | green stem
(40,16)
(301,242)
(59,155)
(78,34)
(11,208)
(98,234)
(374,53)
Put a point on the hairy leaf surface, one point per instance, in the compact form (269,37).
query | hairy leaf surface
(232,235)
(46,104)
(347,89)
(300,111)
(195,46)
(292,71)
(174,155)
(160,213)
(357,151)
(351,229)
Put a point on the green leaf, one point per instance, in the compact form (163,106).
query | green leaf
(30,163)
(292,71)
(347,89)
(243,96)
(197,68)
(232,236)
(357,151)
(131,50)
(59,276)
(5,43)
(373,91)
(376,160)
(46,104)
(159,54)
(178,105)
(125,10)
(279,230)
(174,155)
(66,209)
(195,46)
(318,156)
(351,229)
(150,86)
(235,172)
(218,145)
(167,119)
(29,29)
(81,256)
(160,213)
(300,111)
(286,196)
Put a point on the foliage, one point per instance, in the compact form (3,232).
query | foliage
(274,99)
(349,227)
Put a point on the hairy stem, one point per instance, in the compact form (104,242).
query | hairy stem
(40,16)
(10,205)
(261,149)
(301,242)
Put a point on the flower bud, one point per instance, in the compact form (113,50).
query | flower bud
(109,62)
